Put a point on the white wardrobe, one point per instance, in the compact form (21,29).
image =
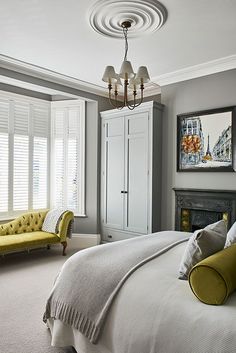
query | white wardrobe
(131,171)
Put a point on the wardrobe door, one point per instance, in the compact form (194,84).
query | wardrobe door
(114,172)
(136,172)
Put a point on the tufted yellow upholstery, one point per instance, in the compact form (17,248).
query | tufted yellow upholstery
(25,232)
(28,222)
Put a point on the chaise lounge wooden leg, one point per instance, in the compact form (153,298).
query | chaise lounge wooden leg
(64,244)
(48,247)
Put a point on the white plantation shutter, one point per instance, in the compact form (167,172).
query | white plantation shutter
(59,172)
(40,156)
(21,156)
(72,175)
(59,157)
(4,120)
(72,161)
(40,121)
(4,115)
(60,122)
(21,173)
(68,155)
(3,172)
(21,118)
(24,135)
(40,172)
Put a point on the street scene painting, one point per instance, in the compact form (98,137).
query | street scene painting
(205,140)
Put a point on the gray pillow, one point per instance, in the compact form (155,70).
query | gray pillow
(203,243)
(231,236)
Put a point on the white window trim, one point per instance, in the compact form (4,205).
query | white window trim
(81,163)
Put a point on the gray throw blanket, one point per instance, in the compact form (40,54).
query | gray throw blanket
(90,279)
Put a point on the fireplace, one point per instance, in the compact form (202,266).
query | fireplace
(196,208)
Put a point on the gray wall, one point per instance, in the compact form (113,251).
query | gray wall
(213,91)
(90,224)
(156,98)
(24,92)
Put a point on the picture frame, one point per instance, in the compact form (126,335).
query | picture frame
(206,140)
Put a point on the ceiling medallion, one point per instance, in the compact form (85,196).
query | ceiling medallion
(147,16)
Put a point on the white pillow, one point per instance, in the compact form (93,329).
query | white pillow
(203,243)
(231,236)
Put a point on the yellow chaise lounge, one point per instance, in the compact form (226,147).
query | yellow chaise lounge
(25,232)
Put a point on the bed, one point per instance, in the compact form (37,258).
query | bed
(155,312)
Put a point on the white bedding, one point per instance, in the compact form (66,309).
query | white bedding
(157,313)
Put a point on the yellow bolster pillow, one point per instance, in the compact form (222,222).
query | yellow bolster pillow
(213,279)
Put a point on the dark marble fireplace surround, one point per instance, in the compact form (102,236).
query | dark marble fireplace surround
(196,208)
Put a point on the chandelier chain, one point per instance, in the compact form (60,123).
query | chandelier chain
(125,31)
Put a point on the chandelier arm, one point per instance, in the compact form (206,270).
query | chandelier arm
(135,105)
(126,83)
(132,106)
(113,105)
(110,98)
(118,107)
(141,98)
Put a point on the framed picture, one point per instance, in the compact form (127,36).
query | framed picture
(206,141)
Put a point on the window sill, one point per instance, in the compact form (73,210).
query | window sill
(80,215)
(6,218)
(11,218)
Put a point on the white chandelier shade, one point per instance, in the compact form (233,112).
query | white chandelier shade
(142,75)
(109,75)
(126,70)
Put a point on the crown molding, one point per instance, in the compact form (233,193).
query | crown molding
(152,88)
(22,67)
(207,68)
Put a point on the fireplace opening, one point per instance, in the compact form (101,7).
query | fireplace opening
(192,219)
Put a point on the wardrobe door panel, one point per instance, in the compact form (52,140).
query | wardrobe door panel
(136,172)
(114,172)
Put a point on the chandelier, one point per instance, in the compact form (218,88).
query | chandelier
(132,81)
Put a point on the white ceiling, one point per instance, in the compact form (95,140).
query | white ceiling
(56,35)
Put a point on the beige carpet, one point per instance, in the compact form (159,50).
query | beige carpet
(25,283)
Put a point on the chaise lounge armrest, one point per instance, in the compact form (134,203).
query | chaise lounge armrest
(65,223)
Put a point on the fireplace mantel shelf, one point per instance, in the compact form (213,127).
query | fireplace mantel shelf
(204,190)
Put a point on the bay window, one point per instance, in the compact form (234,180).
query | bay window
(40,141)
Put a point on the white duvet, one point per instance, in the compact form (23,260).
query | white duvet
(155,312)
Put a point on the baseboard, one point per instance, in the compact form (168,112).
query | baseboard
(83,241)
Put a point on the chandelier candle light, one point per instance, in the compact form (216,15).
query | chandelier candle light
(131,80)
